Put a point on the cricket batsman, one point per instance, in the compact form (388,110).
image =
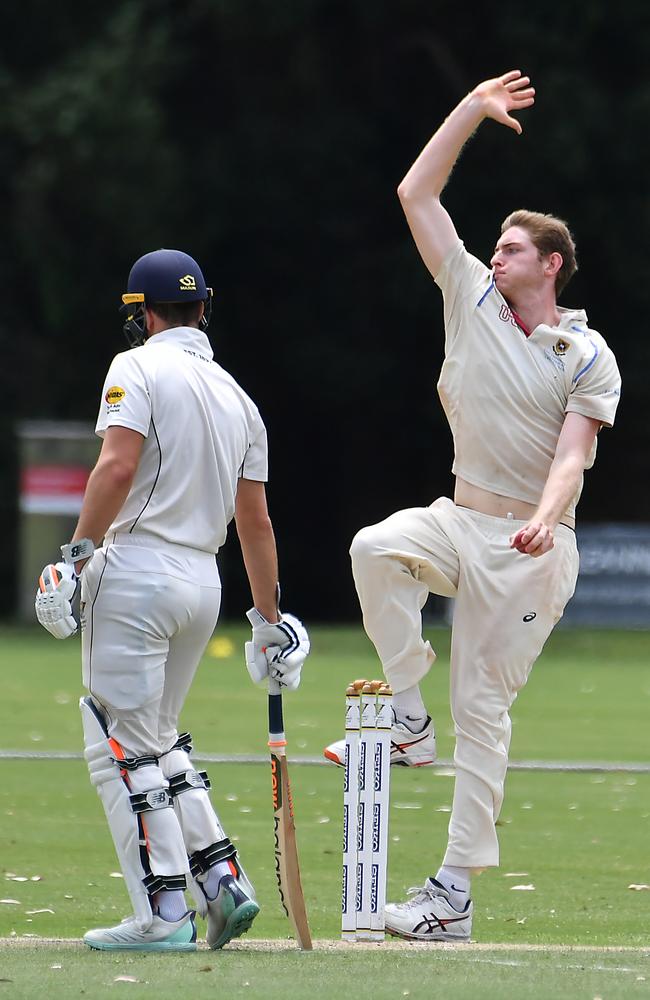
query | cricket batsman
(184,450)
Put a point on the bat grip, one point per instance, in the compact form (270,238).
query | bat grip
(276,718)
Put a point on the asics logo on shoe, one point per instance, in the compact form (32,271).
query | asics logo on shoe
(529,616)
(431,922)
(403,747)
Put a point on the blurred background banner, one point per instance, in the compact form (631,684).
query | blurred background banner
(268,140)
(55,459)
(613,587)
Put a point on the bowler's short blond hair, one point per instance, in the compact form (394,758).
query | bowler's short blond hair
(550,235)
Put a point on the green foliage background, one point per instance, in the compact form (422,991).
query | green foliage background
(267,139)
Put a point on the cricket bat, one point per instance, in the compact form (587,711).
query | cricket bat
(287,868)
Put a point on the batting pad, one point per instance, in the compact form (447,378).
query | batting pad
(138,807)
(192,804)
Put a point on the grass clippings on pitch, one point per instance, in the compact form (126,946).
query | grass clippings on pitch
(271,973)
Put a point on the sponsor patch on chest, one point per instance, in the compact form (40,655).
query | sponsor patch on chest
(556,353)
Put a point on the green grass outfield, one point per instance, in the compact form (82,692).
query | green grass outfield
(580,838)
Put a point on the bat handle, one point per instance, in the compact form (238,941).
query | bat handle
(276,718)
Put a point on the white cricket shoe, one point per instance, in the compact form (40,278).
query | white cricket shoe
(429,916)
(407,749)
(231,913)
(163,935)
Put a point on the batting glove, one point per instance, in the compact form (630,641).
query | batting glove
(276,650)
(57,587)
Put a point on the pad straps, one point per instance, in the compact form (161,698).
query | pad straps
(202,861)
(184,781)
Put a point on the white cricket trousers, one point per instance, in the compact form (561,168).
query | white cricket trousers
(506,604)
(148,609)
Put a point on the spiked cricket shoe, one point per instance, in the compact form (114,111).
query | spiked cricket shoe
(407,749)
(429,916)
(231,913)
(163,935)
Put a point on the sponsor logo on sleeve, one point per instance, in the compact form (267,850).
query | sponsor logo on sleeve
(114,398)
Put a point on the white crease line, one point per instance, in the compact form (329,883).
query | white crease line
(625,767)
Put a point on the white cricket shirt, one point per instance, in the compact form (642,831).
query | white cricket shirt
(506,395)
(202,432)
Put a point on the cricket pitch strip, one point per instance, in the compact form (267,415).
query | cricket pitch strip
(331,945)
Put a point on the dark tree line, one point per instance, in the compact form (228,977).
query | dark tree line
(267,140)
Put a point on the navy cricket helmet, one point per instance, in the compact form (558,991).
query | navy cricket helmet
(162,276)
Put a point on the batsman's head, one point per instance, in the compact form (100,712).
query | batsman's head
(171,284)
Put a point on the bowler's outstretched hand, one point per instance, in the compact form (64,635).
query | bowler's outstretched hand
(503,94)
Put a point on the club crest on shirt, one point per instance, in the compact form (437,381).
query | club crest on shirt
(555,360)
(560,347)
(114,397)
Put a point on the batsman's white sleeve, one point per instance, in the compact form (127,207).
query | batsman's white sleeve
(126,397)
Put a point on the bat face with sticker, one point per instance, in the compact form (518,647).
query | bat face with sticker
(287,867)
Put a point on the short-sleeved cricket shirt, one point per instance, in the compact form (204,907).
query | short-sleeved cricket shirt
(202,433)
(506,394)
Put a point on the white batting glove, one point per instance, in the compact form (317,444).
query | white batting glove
(57,585)
(276,650)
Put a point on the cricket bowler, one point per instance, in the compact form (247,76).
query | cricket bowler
(526,385)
